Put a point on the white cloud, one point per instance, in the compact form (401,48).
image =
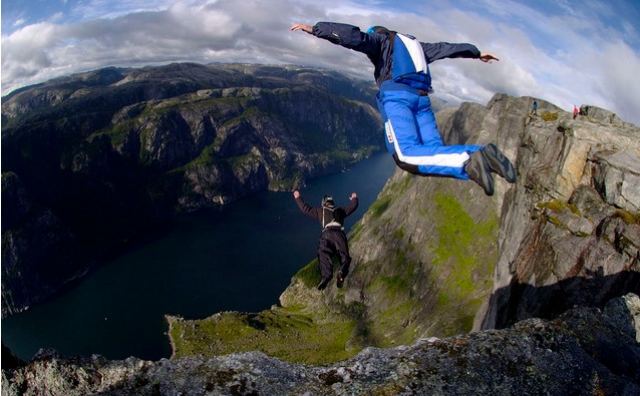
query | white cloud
(19,22)
(568,58)
(108,9)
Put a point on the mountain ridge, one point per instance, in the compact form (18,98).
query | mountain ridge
(96,161)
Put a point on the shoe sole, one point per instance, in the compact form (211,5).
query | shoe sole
(499,163)
(480,172)
(487,180)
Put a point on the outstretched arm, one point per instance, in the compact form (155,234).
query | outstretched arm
(435,51)
(348,36)
(305,207)
(353,205)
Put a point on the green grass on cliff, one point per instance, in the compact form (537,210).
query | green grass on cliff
(244,160)
(379,206)
(283,333)
(247,114)
(206,157)
(116,133)
(463,263)
(309,274)
(391,190)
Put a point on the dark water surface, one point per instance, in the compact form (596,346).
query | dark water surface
(239,258)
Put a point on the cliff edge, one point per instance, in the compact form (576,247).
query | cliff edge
(583,351)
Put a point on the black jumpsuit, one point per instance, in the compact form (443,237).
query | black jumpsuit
(333,239)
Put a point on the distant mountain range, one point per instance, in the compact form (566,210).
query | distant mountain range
(95,161)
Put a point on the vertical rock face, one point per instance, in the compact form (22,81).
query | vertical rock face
(570,226)
(96,160)
(32,237)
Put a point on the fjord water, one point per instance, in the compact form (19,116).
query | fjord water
(237,258)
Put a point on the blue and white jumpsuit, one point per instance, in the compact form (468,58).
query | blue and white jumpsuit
(402,74)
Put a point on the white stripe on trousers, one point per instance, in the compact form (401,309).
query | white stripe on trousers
(455,160)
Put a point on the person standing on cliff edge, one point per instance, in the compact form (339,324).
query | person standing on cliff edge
(333,240)
(402,74)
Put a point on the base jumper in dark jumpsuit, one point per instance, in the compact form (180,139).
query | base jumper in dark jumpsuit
(333,240)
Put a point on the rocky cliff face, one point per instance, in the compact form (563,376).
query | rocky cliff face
(585,351)
(93,161)
(430,251)
(436,257)
(570,230)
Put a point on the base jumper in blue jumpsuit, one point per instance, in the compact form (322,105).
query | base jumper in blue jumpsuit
(402,74)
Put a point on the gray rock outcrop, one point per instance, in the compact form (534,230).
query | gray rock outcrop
(585,351)
(570,226)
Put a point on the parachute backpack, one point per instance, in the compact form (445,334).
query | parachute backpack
(328,206)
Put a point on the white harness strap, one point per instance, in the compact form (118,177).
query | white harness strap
(332,223)
(415,51)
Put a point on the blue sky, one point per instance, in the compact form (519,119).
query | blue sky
(564,51)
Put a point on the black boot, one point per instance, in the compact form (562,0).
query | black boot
(340,279)
(342,274)
(323,283)
(478,170)
(498,162)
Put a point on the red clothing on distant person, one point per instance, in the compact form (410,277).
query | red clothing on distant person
(575,111)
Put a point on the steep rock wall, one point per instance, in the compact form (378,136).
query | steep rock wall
(570,227)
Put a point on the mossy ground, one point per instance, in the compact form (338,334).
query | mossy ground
(557,205)
(627,216)
(309,274)
(280,332)
(379,206)
(116,133)
(463,264)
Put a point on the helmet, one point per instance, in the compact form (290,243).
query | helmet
(377,29)
(327,201)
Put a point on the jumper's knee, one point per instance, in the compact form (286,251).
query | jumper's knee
(406,167)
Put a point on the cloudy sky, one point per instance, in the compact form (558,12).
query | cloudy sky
(564,51)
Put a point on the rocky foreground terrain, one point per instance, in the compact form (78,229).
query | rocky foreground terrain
(585,351)
(94,162)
